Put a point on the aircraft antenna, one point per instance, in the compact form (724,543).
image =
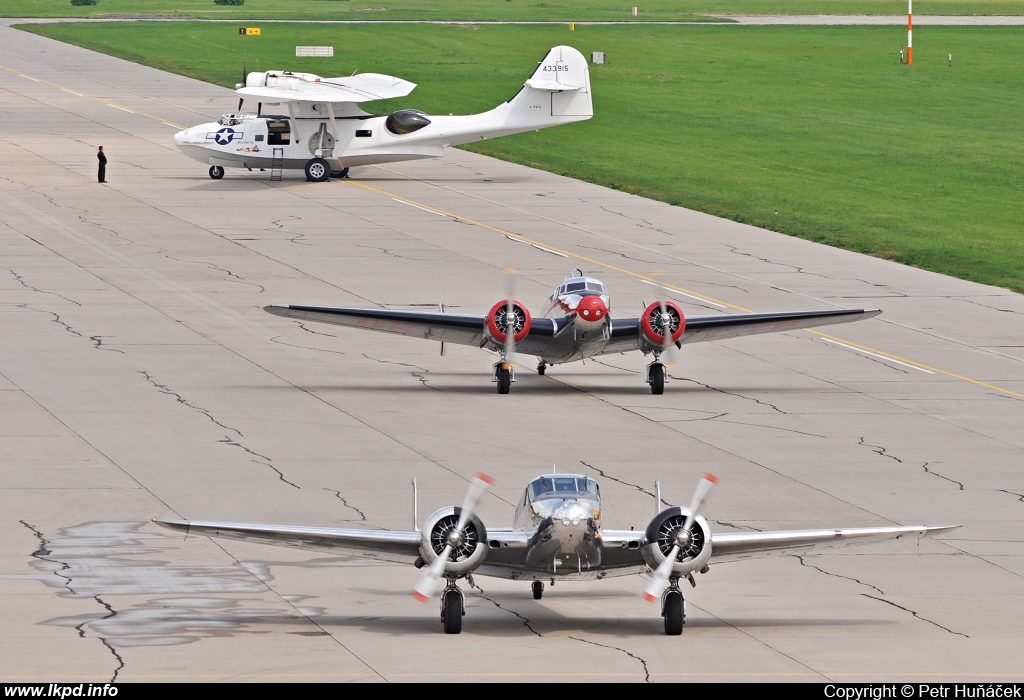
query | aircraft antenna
(415,507)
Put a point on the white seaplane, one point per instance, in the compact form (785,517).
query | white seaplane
(557,535)
(577,325)
(325,131)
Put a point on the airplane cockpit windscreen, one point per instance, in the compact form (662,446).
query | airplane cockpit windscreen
(578,286)
(563,487)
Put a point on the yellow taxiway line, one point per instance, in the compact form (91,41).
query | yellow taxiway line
(650,279)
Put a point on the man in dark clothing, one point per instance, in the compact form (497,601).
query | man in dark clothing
(103,164)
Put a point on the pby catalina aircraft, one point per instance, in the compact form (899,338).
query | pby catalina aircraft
(557,535)
(326,132)
(577,324)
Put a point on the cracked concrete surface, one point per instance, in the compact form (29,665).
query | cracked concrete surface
(202,406)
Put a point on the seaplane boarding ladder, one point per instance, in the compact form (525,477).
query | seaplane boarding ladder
(276,164)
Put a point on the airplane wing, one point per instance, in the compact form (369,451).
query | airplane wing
(461,329)
(737,546)
(626,333)
(357,88)
(382,545)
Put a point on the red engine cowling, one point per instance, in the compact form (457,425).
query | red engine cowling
(499,320)
(652,324)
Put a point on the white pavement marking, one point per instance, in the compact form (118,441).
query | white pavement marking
(880,357)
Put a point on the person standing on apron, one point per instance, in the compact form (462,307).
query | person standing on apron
(102,158)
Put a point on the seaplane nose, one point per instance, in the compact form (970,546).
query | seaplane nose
(179,138)
(592,309)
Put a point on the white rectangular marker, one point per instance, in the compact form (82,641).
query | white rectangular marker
(417,207)
(73,92)
(880,357)
(121,108)
(676,291)
(32,79)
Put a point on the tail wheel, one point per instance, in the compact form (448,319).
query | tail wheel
(538,590)
(452,612)
(318,170)
(674,616)
(657,378)
(216,172)
(504,380)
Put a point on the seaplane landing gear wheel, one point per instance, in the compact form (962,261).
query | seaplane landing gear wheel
(340,174)
(656,378)
(317,170)
(538,590)
(673,613)
(504,380)
(216,172)
(452,612)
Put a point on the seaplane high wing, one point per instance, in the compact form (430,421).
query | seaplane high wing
(325,132)
(576,325)
(557,534)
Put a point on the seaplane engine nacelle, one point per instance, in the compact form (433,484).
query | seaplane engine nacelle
(469,547)
(667,530)
(502,317)
(661,319)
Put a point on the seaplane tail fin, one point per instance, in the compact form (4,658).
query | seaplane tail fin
(558,92)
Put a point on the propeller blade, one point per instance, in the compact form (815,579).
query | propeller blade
(700,494)
(426,587)
(652,592)
(510,308)
(654,588)
(666,327)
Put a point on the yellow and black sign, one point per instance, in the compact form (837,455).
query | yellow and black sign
(249,31)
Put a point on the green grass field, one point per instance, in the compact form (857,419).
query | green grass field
(923,165)
(551,10)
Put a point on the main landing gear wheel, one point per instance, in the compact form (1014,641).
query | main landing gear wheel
(340,174)
(673,612)
(452,611)
(504,380)
(317,170)
(656,378)
(216,172)
(538,590)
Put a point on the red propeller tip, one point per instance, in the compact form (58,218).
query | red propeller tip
(486,478)
(711,477)
(650,598)
(420,597)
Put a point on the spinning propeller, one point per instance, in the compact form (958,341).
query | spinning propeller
(683,538)
(245,76)
(426,587)
(510,315)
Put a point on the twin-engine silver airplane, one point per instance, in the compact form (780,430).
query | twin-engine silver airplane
(325,131)
(576,325)
(557,535)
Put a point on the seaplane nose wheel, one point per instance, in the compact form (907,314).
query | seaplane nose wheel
(216,172)
(318,170)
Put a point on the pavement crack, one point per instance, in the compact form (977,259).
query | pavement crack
(795,268)
(97,340)
(337,494)
(929,471)
(388,251)
(647,673)
(21,280)
(800,558)
(1020,496)
(276,339)
(985,306)
(421,377)
(232,277)
(106,643)
(164,389)
(605,475)
(310,330)
(878,449)
(915,614)
(730,393)
(624,369)
(738,527)
(499,606)
(262,460)
(43,554)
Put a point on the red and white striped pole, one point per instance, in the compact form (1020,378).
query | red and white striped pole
(910,32)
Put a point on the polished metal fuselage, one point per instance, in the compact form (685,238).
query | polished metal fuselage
(578,338)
